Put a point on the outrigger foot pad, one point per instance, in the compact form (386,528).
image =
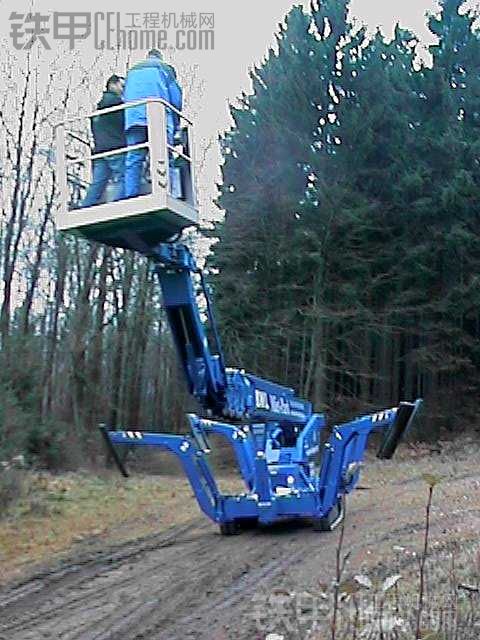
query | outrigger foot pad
(229,528)
(112,451)
(335,517)
(404,418)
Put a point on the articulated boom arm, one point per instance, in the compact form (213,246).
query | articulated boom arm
(223,392)
(205,371)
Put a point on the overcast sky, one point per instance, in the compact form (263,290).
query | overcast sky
(243,32)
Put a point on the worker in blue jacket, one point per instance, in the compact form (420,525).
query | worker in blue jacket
(173,125)
(176,97)
(151,78)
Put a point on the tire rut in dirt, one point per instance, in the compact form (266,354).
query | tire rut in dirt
(52,593)
(186,582)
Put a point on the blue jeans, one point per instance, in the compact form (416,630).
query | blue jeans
(133,170)
(104,170)
(134,163)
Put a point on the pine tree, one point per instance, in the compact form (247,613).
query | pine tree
(267,164)
(351,230)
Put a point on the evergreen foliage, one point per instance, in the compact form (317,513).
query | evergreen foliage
(351,234)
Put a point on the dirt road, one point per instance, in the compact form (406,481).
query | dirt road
(192,583)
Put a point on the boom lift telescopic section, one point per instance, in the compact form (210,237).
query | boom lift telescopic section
(227,393)
(275,436)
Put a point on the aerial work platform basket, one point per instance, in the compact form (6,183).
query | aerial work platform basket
(166,203)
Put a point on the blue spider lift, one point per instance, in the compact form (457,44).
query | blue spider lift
(276,437)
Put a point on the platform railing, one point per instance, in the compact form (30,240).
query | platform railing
(75,158)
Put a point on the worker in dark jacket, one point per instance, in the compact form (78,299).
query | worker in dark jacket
(108,133)
(151,78)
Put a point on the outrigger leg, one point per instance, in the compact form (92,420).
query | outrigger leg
(282,480)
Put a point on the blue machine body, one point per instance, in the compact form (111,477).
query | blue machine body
(276,436)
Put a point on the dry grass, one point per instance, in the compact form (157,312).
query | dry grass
(11,487)
(377,594)
(443,604)
(55,513)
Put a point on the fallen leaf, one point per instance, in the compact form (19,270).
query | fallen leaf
(390,582)
(349,587)
(431,479)
(364,581)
